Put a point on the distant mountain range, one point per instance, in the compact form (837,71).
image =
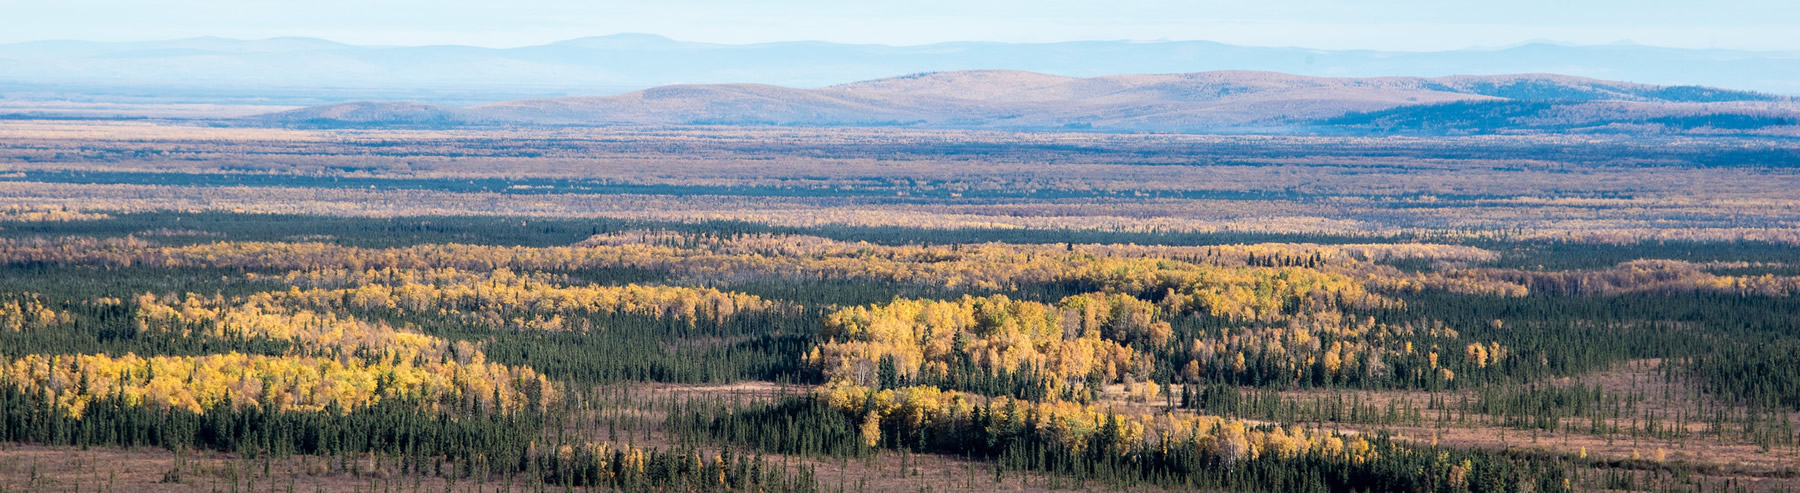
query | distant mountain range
(1229,101)
(312,71)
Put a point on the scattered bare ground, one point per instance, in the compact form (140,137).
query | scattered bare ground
(35,468)
(1728,455)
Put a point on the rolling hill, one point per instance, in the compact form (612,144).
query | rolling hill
(312,71)
(1229,101)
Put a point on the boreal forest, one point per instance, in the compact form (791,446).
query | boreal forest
(189,307)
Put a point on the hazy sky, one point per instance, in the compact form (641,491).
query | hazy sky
(1368,24)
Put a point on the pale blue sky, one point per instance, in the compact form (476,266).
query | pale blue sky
(1411,25)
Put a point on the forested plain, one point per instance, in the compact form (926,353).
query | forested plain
(790,309)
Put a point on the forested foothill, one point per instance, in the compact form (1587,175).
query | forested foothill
(785,309)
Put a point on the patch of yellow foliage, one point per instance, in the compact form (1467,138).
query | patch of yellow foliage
(197,383)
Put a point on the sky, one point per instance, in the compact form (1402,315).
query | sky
(1396,25)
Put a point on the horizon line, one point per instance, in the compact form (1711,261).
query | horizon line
(1515,45)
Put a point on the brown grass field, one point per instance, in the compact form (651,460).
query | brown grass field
(1591,188)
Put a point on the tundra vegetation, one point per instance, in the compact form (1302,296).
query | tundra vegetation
(802,309)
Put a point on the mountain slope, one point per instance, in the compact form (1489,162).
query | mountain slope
(1192,102)
(1544,116)
(990,98)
